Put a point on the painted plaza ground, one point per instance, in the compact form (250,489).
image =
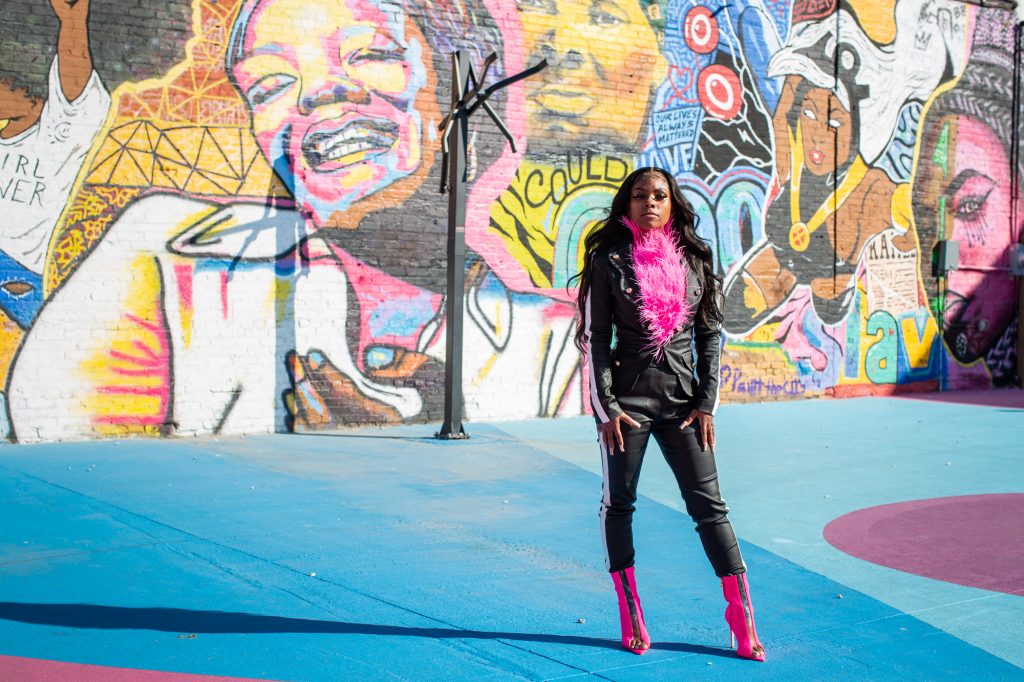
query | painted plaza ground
(883,538)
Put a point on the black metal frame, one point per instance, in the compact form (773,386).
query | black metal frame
(1018,67)
(994,4)
(467,97)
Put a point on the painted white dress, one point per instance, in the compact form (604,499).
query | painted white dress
(38,167)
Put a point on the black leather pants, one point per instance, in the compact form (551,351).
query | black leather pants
(659,403)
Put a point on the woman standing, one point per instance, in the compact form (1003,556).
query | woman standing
(648,279)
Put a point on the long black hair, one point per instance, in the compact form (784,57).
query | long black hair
(684,223)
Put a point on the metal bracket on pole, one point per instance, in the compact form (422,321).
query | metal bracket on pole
(467,97)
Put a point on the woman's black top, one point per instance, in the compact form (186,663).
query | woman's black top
(612,309)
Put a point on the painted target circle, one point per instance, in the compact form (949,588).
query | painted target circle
(700,29)
(720,91)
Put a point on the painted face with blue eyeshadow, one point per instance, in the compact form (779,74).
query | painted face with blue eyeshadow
(333,87)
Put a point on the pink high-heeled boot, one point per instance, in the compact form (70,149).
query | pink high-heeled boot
(631,615)
(739,614)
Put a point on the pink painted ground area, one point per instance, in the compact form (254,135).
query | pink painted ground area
(991,397)
(38,670)
(973,540)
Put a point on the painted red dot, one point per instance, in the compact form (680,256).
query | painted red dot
(700,29)
(720,91)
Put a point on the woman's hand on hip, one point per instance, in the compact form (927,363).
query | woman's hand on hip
(705,427)
(610,432)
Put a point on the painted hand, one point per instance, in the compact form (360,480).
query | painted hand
(610,432)
(705,427)
(321,396)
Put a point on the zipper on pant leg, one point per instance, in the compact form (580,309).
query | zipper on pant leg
(630,603)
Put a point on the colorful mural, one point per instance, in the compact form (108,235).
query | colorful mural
(250,238)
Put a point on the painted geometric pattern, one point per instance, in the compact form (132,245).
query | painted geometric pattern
(92,211)
(186,132)
(192,159)
(198,91)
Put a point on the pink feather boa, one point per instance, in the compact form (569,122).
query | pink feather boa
(660,270)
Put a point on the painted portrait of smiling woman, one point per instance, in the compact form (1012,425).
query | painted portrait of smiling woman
(339,94)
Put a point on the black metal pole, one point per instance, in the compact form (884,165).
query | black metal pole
(1018,55)
(455,296)
(456,132)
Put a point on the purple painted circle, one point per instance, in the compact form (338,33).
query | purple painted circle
(973,540)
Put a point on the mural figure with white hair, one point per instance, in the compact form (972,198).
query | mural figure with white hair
(842,97)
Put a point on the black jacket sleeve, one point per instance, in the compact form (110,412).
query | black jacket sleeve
(597,340)
(708,346)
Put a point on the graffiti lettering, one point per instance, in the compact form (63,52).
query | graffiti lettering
(676,126)
(22,165)
(22,190)
(901,349)
(732,379)
(880,357)
(551,186)
(17,195)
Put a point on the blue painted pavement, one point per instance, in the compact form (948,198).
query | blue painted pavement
(383,554)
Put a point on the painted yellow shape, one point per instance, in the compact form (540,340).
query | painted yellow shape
(10,338)
(140,140)
(186,141)
(129,172)
(123,134)
(103,171)
(211,157)
(357,176)
(169,174)
(233,149)
(281,294)
(919,345)
(901,207)
(539,200)
(765,333)
(174,145)
(145,163)
(485,370)
(753,297)
(214,161)
(199,183)
(877,18)
(129,368)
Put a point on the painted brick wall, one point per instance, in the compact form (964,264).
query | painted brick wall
(222,216)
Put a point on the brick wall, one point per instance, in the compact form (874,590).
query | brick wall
(239,227)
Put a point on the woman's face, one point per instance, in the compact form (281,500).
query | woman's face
(332,86)
(650,202)
(825,126)
(962,192)
(588,43)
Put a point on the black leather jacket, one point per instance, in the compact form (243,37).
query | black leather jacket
(613,303)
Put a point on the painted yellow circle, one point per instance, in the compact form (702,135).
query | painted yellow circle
(799,237)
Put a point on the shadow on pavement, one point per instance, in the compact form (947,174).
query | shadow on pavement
(92,616)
